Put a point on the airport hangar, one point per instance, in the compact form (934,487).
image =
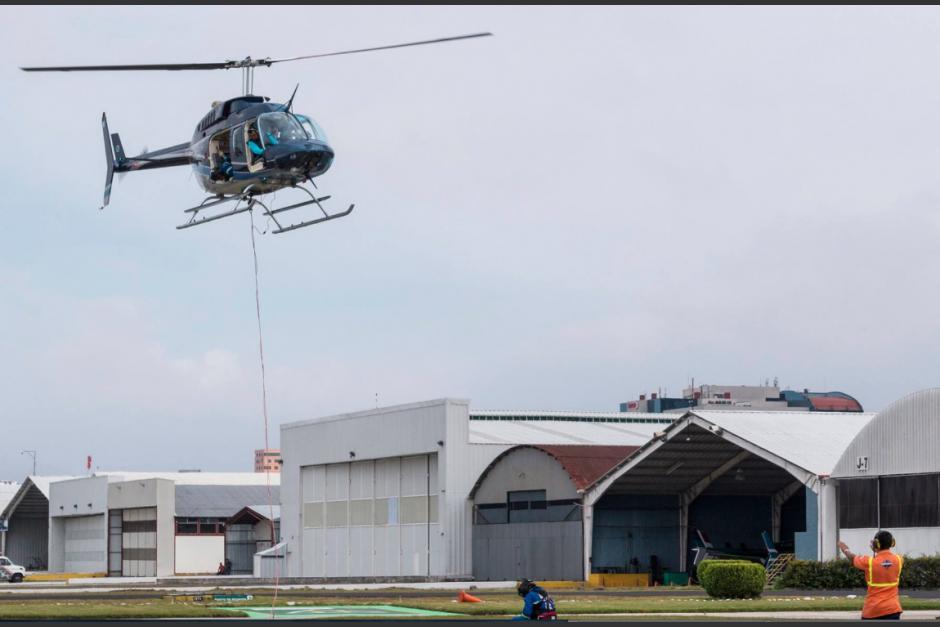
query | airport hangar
(889,478)
(142,523)
(432,490)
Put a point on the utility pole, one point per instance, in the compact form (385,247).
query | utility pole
(33,455)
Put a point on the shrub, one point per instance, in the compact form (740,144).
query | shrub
(917,572)
(821,575)
(736,580)
(706,564)
(921,572)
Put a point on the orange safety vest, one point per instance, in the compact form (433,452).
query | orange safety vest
(882,575)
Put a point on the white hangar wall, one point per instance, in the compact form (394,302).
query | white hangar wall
(421,462)
(889,478)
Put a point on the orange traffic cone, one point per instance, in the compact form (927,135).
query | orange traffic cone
(463,597)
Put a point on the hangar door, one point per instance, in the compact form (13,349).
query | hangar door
(85,544)
(374,518)
(139,542)
(528,537)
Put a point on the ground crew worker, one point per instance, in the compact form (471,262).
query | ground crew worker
(538,604)
(882,575)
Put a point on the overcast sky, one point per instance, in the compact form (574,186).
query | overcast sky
(592,204)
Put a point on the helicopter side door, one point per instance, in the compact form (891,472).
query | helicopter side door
(239,159)
(255,162)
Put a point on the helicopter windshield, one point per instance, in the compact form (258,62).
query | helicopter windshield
(313,129)
(280,127)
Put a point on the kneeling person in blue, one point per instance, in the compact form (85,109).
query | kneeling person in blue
(538,605)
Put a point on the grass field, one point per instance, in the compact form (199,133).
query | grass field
(494,605)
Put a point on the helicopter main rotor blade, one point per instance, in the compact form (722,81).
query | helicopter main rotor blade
(153,66)
(229,65)
(413,43)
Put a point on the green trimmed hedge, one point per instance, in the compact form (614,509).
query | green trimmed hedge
(703,567)
(727,579)
(917,572)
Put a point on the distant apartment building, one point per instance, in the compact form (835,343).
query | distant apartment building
(744,397)
(267,460)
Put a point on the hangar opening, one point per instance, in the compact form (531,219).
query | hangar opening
(527,510)
(26,540)
(739,484)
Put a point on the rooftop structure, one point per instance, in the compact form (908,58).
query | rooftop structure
(744,397)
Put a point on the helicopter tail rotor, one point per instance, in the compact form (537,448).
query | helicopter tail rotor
(117,159)
(109,155)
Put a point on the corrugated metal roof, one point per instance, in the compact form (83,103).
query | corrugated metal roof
(265,511)
(565,432)
(255,513)
(578,416)
(8,490)
(585,463)
(802,444)
(197,478)
(220,501)
(812,441)
(903,438)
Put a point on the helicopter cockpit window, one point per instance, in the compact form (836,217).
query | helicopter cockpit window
(313,129)
(238,145)
(280,127)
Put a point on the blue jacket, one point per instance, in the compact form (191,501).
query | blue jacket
(536,597)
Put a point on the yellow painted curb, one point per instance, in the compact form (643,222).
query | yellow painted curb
(602,580)
(61,576)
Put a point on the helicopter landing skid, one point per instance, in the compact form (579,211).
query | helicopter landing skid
(251,202)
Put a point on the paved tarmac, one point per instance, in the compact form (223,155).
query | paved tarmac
(124,590)
(796,615)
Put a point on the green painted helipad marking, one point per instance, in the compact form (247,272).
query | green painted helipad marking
(335,611)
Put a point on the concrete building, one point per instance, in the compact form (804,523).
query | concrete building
(267,460)
(386,492)
(26,540)
(889,478)
(744,397)
(148,524)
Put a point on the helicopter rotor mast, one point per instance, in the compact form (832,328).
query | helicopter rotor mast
(246,65)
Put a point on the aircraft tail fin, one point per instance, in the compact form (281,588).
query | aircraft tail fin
(109,154)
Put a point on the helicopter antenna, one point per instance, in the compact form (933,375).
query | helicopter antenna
(291,101)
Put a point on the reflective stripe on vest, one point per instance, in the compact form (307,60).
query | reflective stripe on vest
(871,581)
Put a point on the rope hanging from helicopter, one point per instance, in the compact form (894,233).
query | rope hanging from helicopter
(264,407)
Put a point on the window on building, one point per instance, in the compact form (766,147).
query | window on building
(526,505)
(200,526)
(910,501)
(533,510)
(491,514)
(858,503)
(138,526)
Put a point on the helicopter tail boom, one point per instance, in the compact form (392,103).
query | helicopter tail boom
(118,161)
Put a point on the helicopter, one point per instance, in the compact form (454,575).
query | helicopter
(243,148)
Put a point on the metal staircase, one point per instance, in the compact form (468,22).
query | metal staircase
(777,565)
